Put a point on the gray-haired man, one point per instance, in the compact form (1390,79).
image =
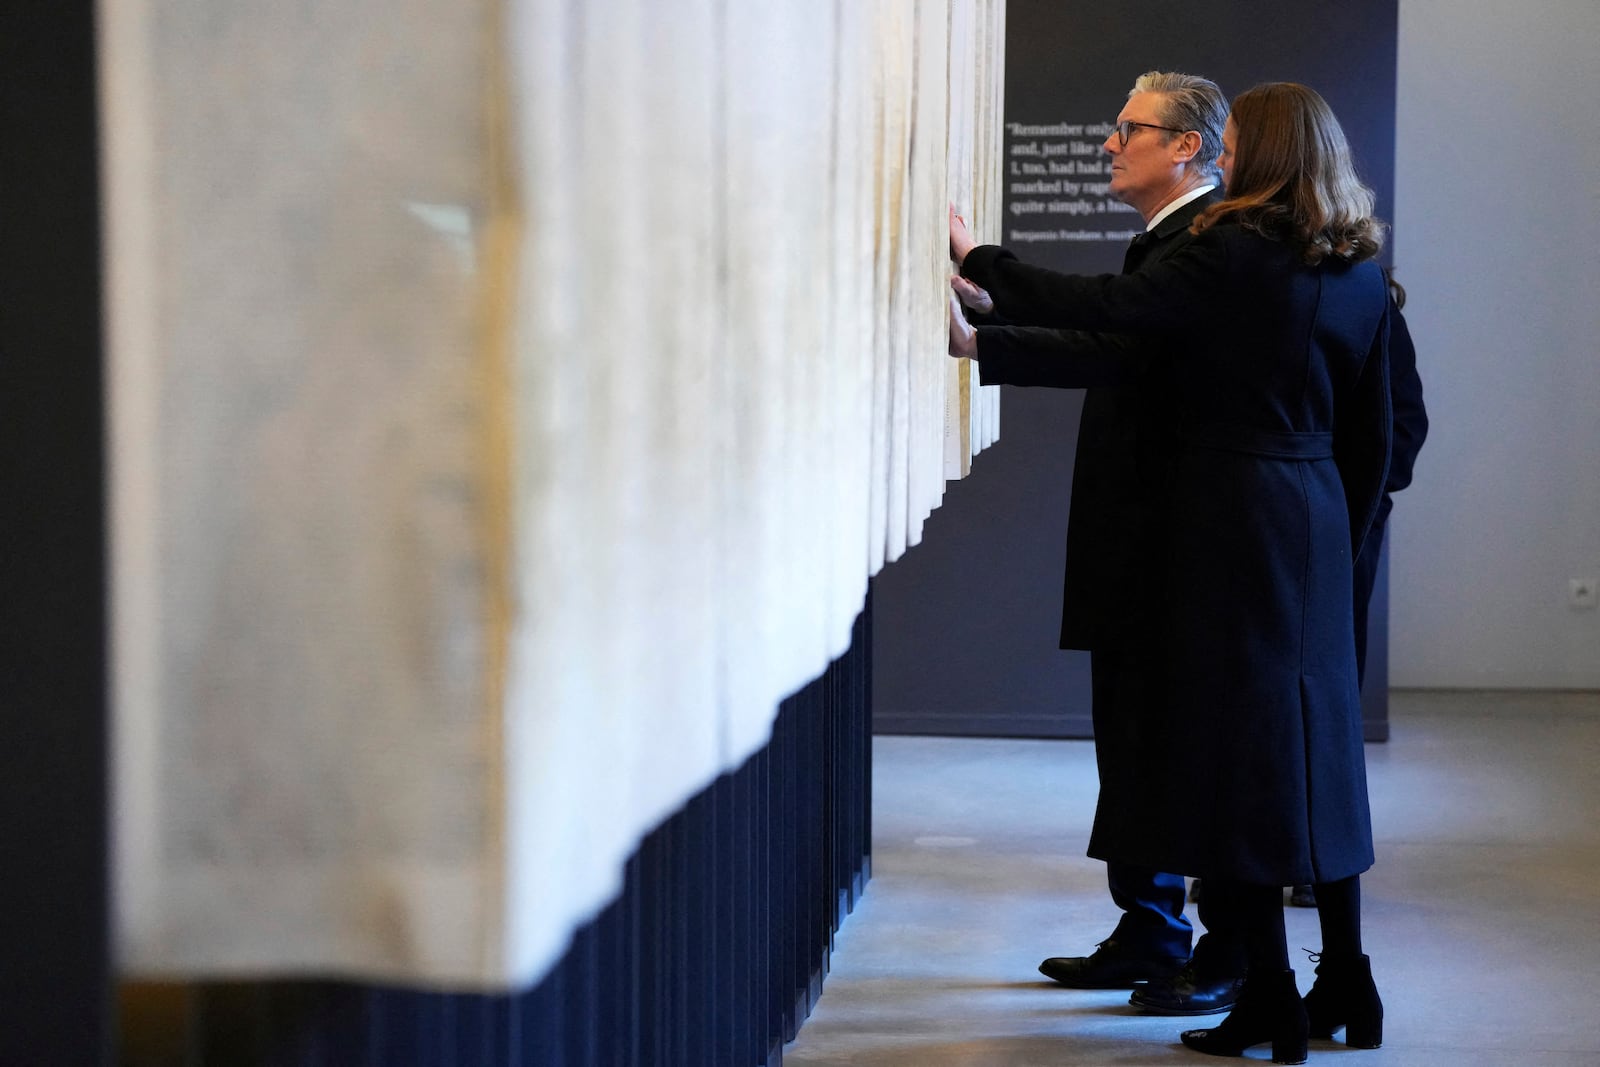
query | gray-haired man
(1163,153)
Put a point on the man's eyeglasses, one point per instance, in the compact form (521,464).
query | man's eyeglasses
(1126,127)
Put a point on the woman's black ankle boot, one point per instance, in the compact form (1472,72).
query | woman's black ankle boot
(1269,1009)
(1344,994)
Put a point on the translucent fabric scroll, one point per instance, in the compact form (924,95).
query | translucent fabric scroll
(510,401)
(977,35)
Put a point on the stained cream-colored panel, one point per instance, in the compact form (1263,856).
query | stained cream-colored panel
(307,729)
(511,399)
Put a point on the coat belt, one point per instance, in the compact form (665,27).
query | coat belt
(1253,442)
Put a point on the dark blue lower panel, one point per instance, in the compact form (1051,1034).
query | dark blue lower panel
(712,956)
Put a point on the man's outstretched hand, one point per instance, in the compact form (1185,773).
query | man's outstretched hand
(961,241)
(963,338)
(973,296)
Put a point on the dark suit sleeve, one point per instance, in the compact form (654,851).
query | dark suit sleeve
(1165,297)
(1410,417)
(1061,359)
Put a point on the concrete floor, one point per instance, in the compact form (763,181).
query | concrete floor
(1482,915)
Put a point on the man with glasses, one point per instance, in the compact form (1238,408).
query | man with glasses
(1163,151)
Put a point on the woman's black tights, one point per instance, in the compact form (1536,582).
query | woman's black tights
(1256,913)
(1339,910)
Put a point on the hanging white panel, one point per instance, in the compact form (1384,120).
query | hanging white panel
(849,357)
(988,188)
(613,685)
(894,32)
(510,400)
(974,161)
(306,714)
(927,275)
(960,171)
(776,144)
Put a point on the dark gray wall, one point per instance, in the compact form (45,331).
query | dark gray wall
(967,624)
(55,949)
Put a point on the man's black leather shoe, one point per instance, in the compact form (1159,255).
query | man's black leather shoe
(1109,967)
(1188,993)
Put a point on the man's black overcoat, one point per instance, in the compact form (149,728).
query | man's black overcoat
(1123,433)
(1125,441)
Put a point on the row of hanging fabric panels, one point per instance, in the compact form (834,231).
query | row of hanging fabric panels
(510,400)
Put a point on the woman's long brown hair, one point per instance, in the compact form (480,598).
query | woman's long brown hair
(1292,177)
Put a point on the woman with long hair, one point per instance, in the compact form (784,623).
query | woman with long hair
(1278,318)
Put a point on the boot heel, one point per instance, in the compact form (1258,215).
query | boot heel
(1291,1035)
(1364,1033)
(1290,1048)
(1344,995)
(1268,1009)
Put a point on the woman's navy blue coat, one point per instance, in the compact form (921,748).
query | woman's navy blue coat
(1254,765)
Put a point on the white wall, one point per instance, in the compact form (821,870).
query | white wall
(1497,239)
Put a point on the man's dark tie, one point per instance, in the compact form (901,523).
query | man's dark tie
(1137,250)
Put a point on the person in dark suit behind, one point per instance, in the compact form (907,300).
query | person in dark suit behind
(1163,164)
(1283,428)
(1410,430)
